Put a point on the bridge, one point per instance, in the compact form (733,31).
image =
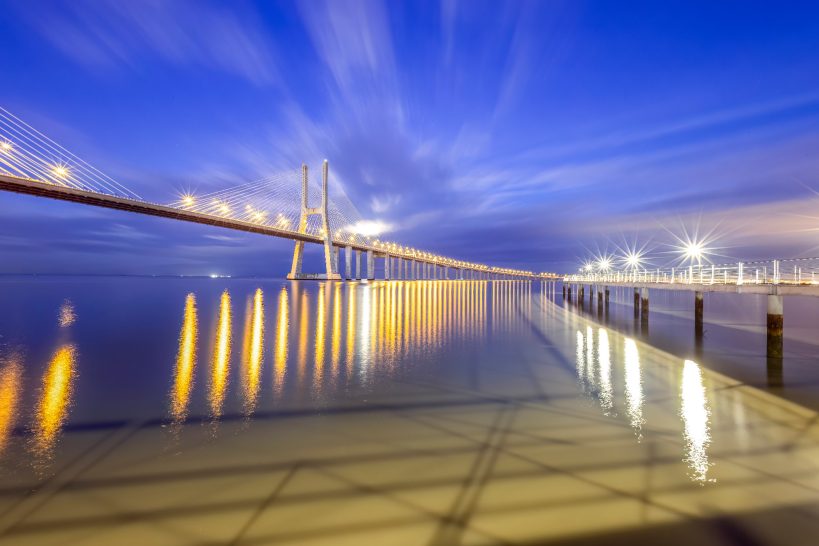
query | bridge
(277,206)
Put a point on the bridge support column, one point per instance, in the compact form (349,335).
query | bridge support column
(699,331)
(644,311)
(348,262)
(370,266)
(564,291)
(775,329)
(636,303)
(330,252)
(358,264)
(581,295)
(387,272)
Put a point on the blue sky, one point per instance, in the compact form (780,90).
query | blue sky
(525,134)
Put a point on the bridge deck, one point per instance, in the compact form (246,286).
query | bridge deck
(62,193)
(790,289)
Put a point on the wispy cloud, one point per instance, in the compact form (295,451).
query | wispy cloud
(114,34)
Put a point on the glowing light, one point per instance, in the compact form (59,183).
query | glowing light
(221,357)
(188,200)
(185,361)
(693,251)
(6,146)
(370,228)
(604,263)
(55,400)
(633,260)
(60,171)
(695,415)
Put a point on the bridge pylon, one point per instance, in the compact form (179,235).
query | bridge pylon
(330,263)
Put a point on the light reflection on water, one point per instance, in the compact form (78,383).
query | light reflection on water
(11,375)
(185,361)
(328,339)
(634,386)
(55,401)
(695,415)
(253,352)
(596,380)
(221,358)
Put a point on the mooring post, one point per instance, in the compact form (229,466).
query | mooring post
(644,304)
(775,329)
(698,322)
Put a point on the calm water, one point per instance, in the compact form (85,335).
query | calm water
(190,411)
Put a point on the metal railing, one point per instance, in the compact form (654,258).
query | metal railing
(795,271)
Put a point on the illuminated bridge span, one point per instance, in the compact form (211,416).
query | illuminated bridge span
(278,206)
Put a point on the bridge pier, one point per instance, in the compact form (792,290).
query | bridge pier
(699,331)
(644,305)
(387,272)
(370,266)
(358,265)
(775,324)
(348,262)
(330,251)
(636,303)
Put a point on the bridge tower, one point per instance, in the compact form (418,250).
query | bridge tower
(330,263)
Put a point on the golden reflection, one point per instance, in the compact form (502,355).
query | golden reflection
(221,357)
(185,361)
(67,315)
(695,415)
(319,346)
(52,408)
(282,331)
(634,387)
(302,311)
(604,368)
(350,326)
(11,379)
(254,352)
(335,340)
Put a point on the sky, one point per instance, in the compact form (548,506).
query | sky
(521,134)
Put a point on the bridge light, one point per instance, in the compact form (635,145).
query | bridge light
(60,171)
(188,200)
(604,264)
(694,251)
(6,146)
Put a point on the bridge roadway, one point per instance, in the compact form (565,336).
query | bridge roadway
(52,191)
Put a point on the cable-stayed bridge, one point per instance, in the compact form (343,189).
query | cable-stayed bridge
(278,206)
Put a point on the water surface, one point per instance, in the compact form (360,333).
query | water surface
(190,411)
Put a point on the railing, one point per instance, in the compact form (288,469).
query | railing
(796,271)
